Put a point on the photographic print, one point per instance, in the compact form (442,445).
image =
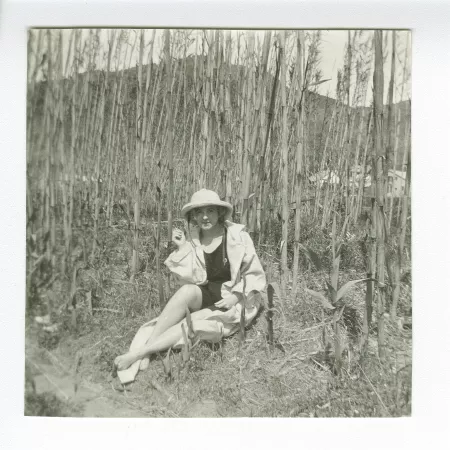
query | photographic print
(218,223)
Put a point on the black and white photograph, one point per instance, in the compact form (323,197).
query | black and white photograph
(221,220)
(218,223)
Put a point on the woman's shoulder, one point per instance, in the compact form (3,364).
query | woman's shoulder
(237,231)
(234,228)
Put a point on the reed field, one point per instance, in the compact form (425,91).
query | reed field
(124,125)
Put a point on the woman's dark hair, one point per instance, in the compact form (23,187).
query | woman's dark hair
(221,210)
(222,214)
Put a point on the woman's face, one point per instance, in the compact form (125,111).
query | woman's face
(206,217)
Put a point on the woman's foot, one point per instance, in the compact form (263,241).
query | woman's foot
(122,362)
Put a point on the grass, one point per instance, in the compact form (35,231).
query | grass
(292,379)
(49,405)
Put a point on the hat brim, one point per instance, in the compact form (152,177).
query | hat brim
(190,206)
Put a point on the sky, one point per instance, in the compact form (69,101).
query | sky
(332,51)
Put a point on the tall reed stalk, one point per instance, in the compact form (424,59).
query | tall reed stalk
(378,164)
(284,163)
(298,156)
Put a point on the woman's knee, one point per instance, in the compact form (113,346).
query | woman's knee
(189,290)
(190,294)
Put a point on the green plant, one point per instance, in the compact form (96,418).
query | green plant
(49,405)
(335,299)
(49,340)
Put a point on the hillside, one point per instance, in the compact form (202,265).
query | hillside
(319,108)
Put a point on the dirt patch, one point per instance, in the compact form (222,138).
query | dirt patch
(84,399)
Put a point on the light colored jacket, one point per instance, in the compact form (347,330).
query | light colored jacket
(188,262)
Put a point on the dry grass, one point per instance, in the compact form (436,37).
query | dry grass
(294,378)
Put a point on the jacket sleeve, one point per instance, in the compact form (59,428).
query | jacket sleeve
(184,265)
(252,276)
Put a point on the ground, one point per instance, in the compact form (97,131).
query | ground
(69,370)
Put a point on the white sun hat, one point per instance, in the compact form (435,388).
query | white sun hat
(205,197)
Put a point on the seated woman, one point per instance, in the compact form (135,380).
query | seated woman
(217,267)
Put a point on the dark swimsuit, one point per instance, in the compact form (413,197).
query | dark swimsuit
(218,272)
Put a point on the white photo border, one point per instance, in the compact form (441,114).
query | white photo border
(428,426)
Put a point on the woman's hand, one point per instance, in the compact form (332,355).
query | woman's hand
(178,237)
(227,302)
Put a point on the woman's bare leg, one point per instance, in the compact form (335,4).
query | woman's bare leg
(197,315)
(189,296)
(165,340)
